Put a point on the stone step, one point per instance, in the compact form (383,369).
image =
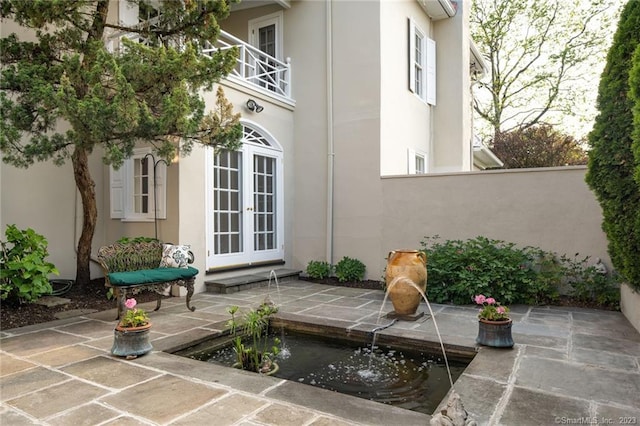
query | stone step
(248,281)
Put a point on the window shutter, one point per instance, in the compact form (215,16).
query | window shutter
(431,71)
(412,55)
(116,193)
(411,162)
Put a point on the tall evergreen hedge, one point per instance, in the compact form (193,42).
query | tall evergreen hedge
(611,160)
(634,91)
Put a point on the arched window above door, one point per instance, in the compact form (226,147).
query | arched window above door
(254,134)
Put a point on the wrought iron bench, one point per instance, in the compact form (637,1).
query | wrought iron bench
(135,266)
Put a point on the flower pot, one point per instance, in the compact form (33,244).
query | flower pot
(406,273)
(496,334)
(131,341)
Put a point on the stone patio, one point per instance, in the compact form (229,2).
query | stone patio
(569,366)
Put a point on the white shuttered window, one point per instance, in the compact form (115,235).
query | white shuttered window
(138,188)
(422,64)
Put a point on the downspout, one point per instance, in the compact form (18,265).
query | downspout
(330,147)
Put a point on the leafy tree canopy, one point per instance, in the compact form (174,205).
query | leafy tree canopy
(141,92)
(74,78)
(541,54)
(538,146)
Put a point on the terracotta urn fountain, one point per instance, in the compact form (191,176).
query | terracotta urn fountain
(406,270)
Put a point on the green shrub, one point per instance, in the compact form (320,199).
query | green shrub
(588,284)
(349,269)
(319,270)
(24,274)
(458,270)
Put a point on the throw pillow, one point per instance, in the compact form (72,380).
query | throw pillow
(175,256)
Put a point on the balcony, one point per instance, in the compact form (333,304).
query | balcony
(255,69)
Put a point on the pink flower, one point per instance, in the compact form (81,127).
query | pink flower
(491,301)
(500,310)
(130,303)
(480,299)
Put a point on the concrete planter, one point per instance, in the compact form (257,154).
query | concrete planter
(131,342)
(630,305)
(496,334)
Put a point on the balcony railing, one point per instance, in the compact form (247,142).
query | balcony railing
(255,67)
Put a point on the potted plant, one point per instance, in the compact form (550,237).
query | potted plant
(494,324)
(251,341)
(131,335)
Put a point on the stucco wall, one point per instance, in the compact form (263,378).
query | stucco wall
(407,118)
(356,131)
(451,142)
(548,208)
(306,43)
(43,197)
(238,22)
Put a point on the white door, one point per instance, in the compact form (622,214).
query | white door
(265,34)
(245,223)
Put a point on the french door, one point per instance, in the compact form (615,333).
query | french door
(245,207)
(265,34)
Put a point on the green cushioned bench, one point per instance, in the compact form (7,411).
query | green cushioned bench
(146,276)
(132,267)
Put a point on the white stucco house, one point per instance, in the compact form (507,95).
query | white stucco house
(334,96)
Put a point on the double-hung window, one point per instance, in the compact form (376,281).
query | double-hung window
(138,188)
(418,62)
(422,64)
(417,162)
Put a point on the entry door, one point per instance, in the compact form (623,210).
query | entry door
(265,35)
(245,219)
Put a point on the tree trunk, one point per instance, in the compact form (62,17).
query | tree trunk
(86,187)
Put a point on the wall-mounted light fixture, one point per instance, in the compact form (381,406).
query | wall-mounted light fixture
(253,106)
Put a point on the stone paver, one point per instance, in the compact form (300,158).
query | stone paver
(568,365)
(284,415)
(27,381)
(93,329)
(13,418)
(66,355)
(73,313)
(580,380)
(41,341)
(51,301)
(163,399)
(10,365)
(226,411)
(85,415)
(529,408)
(56,399)
(100,370)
